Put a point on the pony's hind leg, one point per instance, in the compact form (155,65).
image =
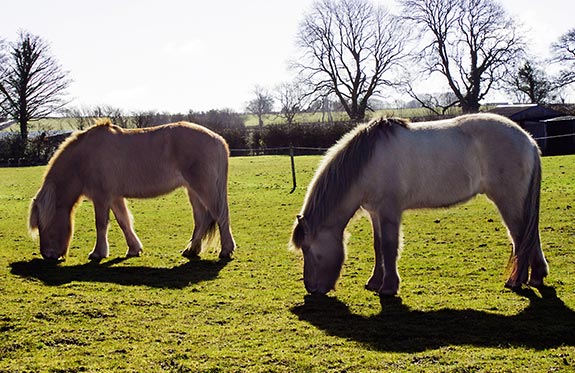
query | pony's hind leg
(124,219)
(210,210)
(227,240)
(511,210)
(204,226)
(539,266)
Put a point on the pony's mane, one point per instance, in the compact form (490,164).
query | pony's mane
(341,166)
(72,140)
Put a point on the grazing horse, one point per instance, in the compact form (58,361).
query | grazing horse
(107,164)
(389,165)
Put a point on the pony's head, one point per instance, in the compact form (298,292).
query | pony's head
(323,255)
(51,222)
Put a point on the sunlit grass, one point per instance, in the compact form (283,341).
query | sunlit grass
(160,312)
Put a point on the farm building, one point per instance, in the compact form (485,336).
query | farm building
(553,130)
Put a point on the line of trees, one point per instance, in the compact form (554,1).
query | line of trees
(351,53)
(353,50)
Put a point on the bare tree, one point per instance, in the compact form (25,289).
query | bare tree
(144,119)
(471,43)
(291,99)
(83,117)
(261,104)
(530,84)
(564,54)
(79,118)
(32,83)
(349,46)
(115,114)
(437,103)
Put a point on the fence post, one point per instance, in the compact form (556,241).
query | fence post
(291,154)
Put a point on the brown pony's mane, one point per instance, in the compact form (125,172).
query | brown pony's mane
(77,136)
(341,166)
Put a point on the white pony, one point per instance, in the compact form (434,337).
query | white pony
(388,166)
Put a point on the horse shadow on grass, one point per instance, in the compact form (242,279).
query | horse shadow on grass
(178,277)
(546,323)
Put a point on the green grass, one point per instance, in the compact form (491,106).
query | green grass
(160,312)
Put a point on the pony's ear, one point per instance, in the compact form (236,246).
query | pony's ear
(299,233)
(302,221)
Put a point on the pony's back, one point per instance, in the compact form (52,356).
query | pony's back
(136,162)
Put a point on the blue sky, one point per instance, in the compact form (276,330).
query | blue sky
(175,55)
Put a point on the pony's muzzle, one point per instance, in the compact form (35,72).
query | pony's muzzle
(52,259)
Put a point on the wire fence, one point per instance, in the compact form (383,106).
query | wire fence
(303,150)
(281,150)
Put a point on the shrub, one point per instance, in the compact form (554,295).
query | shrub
(305,135)
(39,149)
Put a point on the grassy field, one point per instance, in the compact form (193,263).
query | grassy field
(250,120)
(161,312)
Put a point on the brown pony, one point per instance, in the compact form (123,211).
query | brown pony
(106,164)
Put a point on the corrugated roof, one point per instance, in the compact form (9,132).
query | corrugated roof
(520,113)
(510,110)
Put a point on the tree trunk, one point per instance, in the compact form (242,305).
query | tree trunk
(23,136)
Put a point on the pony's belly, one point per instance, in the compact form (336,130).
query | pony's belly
(151,183)
(442,194)
(151,188)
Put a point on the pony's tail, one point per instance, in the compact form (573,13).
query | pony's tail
(210,238)
(528,249)
(221,213)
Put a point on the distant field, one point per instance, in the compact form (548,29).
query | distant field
(249,119)
(160,312)
(252,120)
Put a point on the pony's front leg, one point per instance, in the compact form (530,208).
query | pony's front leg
(390,253)
(376,280)
(124,219)
(101,249)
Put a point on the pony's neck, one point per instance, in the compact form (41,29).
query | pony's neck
(340,214)
(67,191)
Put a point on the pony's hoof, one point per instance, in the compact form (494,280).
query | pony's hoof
(513,285)
(190,254)
(226,256)
(371,287)
(134,254)
(96,257)
(536,284)
(387,292)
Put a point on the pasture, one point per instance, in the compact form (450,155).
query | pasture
(161,312)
